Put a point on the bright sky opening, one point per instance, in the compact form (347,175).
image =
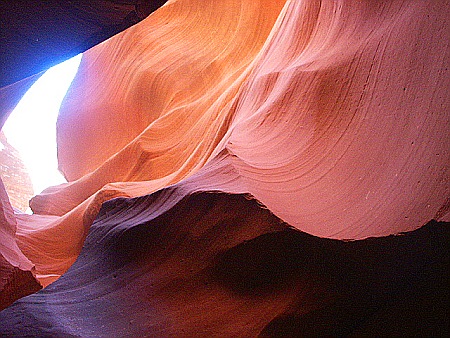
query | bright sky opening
(31,127)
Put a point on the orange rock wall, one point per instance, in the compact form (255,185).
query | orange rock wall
(178,133)
(334,115)
(324,110)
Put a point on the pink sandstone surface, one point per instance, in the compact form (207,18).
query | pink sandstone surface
(210,130)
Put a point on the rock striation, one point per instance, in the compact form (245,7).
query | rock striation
(14,175)
(244,168)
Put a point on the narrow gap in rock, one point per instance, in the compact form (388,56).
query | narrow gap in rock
(28,150)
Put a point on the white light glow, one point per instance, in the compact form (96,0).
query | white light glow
(31,127)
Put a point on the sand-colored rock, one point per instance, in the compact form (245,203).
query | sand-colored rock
(14,175)
(16,270)
(325,116)
(319,109)
(333,115)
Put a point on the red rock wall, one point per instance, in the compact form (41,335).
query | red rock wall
(318,109)
(14,175)
(333,115)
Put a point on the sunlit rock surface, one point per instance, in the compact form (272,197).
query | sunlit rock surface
(14,176)
(230,147)
(16,277)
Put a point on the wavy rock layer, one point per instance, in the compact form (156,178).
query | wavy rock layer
(16,278)
(220,265)
(332,115)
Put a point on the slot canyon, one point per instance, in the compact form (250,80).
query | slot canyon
(235,168)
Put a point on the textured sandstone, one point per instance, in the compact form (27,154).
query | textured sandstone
(15,176)
(185,128)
